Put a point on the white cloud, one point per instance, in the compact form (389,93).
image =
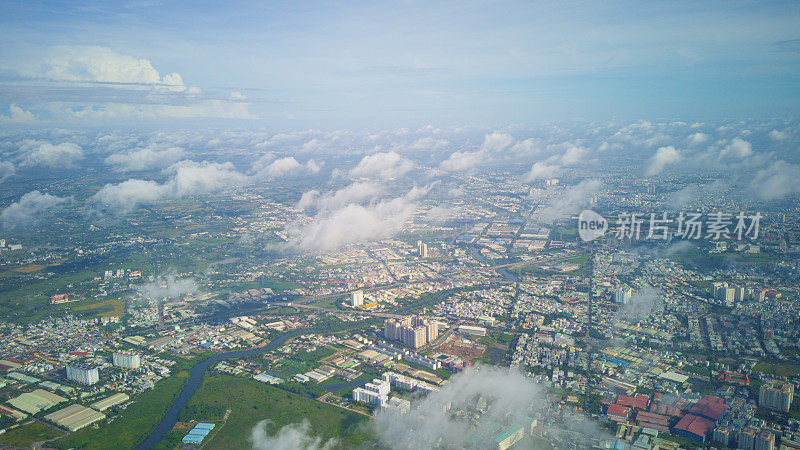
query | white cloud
(417,192)
(352,193)
(114,110)
(738,148)
(570,202)
(7,169)
(313,166)
(193,178)
(527,147)
(101,64)
(18,115)
(187,178)
(777,181)
(355,223)
(641,305)
(382,165)
(96,83)
(777,135)
(124,197)
(505,395)
(574,154)
(460,161)
(353,214)
(540,171)
(663,157)
(45,154)
(496,142)
(168,286)
(492,145)
(426,144)
(268,167)
(282,166)
(30,207)
(296,436)
(697,138)
(150,157)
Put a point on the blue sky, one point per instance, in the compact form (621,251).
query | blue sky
(373,64)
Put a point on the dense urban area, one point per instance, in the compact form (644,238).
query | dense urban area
(352,304)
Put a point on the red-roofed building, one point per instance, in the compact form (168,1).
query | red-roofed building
(666,409)
(736,378)
(657,419)
(710,407)
(60,298)
(693,427)
(640,401)
(618,413)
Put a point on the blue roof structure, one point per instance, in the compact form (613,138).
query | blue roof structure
(198,433)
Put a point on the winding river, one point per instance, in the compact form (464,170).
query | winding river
(476,253)
(196,374)
(195,378)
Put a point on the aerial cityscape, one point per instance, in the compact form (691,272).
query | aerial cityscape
(514,225)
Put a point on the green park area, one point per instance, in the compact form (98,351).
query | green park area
(252,402)
(781,370)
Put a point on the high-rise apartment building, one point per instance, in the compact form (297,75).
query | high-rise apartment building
(776,395)
(413,332)
(623,295)
(82,374)
(356,298)
(126,360)
(422,249)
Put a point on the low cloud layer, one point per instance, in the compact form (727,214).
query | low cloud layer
(267,166)
(150,157)
(541,171)
(296,436)
(509,398)
(664,157)
(186,178)
(354,223)
(7,170)
(570,202)
(776,181)
(168,286)
(493,144)
(29,208)
(354,213)
(461,161)
(51,156)
(382,165)
(641,304)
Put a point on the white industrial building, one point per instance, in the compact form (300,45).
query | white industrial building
(83,374)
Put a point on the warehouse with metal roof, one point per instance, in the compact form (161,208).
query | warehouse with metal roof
(108,402)
(38,400)
(74,417)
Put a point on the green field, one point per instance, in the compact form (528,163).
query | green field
(781,370)
(251,402)
(25,435)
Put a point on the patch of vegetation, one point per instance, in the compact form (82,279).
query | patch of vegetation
(27,434)
(781,370)
(251,402)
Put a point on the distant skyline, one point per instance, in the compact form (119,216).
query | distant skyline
(362,64)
